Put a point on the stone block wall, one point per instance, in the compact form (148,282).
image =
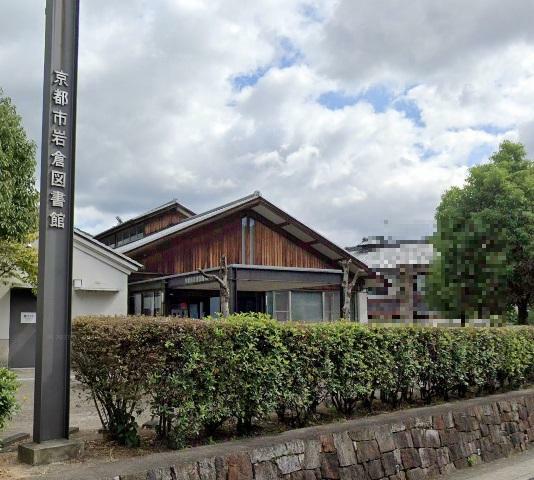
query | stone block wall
(412,449)
(413,444)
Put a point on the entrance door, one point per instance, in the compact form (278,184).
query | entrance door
(23,307)
(248,302)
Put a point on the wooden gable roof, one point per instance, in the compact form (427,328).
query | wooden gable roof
(263,209)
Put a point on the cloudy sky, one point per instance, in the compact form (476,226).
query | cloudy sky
(352,115)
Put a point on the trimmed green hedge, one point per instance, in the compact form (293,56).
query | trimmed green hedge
(196,374)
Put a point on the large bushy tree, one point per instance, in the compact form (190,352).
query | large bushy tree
(485,240)
(18,197)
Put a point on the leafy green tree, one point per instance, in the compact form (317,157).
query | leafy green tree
(18,197)
(485,240)
(18,261)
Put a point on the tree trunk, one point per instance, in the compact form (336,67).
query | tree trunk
(348,287)
(462,319)
(224,287)
(522,312)
(225,302)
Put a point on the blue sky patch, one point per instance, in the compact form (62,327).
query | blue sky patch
(378,96)
(336,100)
(491,129)
(239,82)
(410,109)
(289,56)
(480,153)
(424,152)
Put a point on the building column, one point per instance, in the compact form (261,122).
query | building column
(361,300)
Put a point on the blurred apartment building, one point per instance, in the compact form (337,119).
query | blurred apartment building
(404,264)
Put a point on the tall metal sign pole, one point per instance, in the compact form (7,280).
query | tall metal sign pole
(52,372)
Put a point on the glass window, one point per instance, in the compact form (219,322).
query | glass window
(215,305)
(157,303)
(148,303)
(109,241)
(137,304)
(281,306)
(331,306)
(278,305)
(269,303)
(307,306)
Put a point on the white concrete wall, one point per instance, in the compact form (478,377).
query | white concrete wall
(4,323)
(97,274)
(361,298)
(4,311)
(104,288)
(94,273)
(99,303)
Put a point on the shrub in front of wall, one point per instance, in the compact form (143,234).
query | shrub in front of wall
(257,367)
(477,359)
(192,387)
(113,358)
(197,374)
(210,371)
(306,371)
(8,402)
(409,359)
(360,363)
(516,351)
(484,357)
(447,363)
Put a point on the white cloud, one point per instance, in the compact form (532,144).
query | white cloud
(403,43)
(526,135)
(350,196)
(161,117)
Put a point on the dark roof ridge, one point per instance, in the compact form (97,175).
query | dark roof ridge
(170,203)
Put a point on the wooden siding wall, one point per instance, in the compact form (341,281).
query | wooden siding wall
(160,222)
(275,249)
(151,225)
(200,248)
(203,247)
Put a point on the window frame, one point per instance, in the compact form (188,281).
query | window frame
(270,304)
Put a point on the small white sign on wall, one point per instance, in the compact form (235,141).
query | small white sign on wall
(28,317)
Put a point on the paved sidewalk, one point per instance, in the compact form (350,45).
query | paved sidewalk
(83,413)
(82,410)
(516,467)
